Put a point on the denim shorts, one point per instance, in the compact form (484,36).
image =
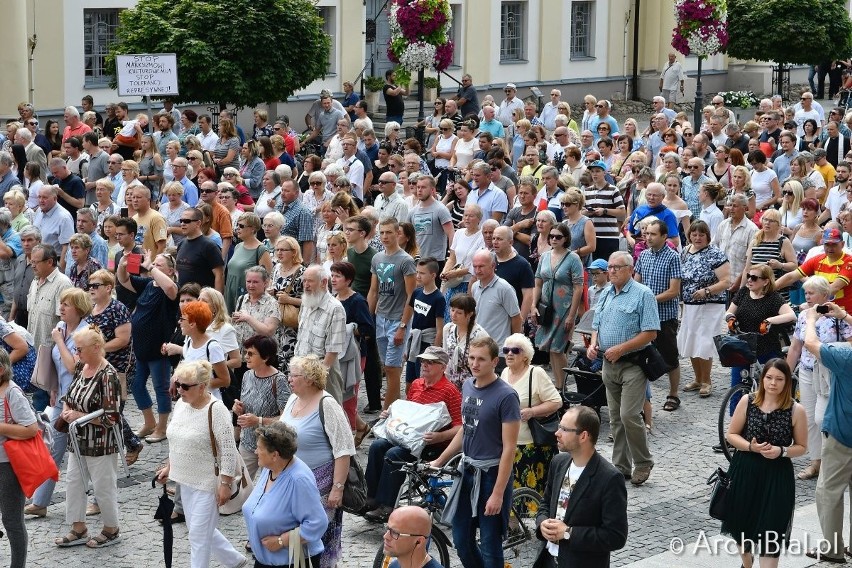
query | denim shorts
(390,354)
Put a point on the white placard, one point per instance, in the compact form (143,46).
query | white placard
(147,74)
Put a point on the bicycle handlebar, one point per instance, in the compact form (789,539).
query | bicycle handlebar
(424,467)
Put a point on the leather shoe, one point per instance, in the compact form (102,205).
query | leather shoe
(379,514)
(817,555)
(640,475)
(35,510)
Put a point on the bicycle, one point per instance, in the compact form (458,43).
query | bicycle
(737,354)
(428,487)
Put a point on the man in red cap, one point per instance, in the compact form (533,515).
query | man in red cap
(834,265)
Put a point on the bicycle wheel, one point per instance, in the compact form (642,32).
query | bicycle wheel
(521,546)
(725,417)
(439,547)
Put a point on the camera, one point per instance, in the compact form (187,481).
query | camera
(822,309)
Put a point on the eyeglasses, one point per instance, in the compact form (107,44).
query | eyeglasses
(316,183)
(114,163)
(786,193)
(395,129)
(395,534)
(185,386)
(695,167)
(718,104)
(556,236)
(126,170)
(687,134)
(283,250)
(614,267)
(32,124)
(512,350)
(95,285)
(341,184)
(209,190)
(78,349)
(446,129)
(575,430)
(599,106)
(277,128)
(507,91)
(241,226)
(386,181)
(187,221)
(568,203)
(192,159)
(754,278)
(228,175)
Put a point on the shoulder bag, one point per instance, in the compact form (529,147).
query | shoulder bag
(355,488)
(650,361)
(543,430)
(241,485)
(546,312)
(289,312)
(721,482)
(45,376)
(30,459)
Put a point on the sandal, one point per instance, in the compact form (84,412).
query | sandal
(693,386)
(76,539)
(104,539)
(155,438)
(131,456)
(672,403)
(706,390)
(810,472)
(362,433)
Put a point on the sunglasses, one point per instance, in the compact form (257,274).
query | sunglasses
(315,183)
(556,236)
(209,190)
(95,285)
(187,221)
(185,386)
(512,350)
(446,129)
(753,278)
(785,193)
(241,226)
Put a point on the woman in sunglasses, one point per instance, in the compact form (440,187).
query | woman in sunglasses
(539,398)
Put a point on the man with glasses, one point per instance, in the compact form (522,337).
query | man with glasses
(207,136)
(407,538)
(389,204)
(550,110)
(221,217)
(352,166)
(602,109)
(583,513)
(725,113)
(466,97)
(509,105)
(691,185)
(836,144)
(736,138)
(771,133)
(807,111)
(701,144)
(733,236)
(190,190)
(654,194)
(587,143)
(114,173)
(626,321)
(198,258)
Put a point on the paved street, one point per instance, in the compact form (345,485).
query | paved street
(672,504)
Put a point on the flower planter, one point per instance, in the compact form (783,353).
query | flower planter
(372,98)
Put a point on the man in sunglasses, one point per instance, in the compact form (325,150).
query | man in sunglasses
(602,108)
(583,513)
(509,105)
(198,258)
(221,217)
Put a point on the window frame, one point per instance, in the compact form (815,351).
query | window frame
(330,29)
(517,44)
(95,75)
(589,23)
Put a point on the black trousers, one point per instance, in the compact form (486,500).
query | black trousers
(373,375)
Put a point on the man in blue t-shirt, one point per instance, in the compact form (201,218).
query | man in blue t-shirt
(836,467)
(491,419)
(427,321)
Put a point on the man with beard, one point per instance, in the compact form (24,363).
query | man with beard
(165,134)
(322,327)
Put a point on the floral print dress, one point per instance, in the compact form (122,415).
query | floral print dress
(286,336)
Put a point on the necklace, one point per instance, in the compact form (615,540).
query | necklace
(298,411)
(282,469)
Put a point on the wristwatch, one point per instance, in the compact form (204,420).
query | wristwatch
(280,542)
(402,325)
(338,485)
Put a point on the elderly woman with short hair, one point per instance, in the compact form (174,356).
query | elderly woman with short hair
(16,202)
(95,387)
(233,176)
(272,224)
(249,252)
(83,264)
(294,501)
(172,210)
(459,264)
(539,398)
(540,242)
(30,237)
(326,443)
(813,387)
(318,195)
(104,206)
(313,163)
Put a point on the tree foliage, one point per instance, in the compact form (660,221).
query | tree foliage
(238,52)
(789,31)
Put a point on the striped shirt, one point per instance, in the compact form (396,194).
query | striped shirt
(86,395)
(608,197)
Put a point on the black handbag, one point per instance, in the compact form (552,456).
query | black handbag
(650,361)
(543,430)
(355,488)
(721,483)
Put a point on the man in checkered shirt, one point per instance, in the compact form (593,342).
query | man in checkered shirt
(659,269)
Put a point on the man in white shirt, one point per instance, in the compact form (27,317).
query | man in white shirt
(840,196)
(352,167)
(207,137)
(671,76)
(390,204)
(509,105)
(806,111)
(549,112)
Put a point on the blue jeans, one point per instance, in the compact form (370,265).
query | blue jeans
(41,399)
(736,377)
(160,371)
(44,493)
(489,553)
(394,117)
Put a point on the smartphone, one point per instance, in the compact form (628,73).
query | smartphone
(134,263)
(822,309)
(125,212)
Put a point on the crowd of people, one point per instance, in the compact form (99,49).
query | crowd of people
(258,286)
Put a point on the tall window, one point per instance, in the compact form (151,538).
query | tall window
(327,13)
(99,27)
(456,33)
(581,29)
(513,31)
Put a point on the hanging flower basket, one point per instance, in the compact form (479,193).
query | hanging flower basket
(420,36)
(701,27)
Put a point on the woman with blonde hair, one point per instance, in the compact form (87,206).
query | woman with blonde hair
(335,249)
(792,195)
(151,166)
(772,248)
(741,183)
(329,225)
(172,210)
(16,202)
(220,327)
(226,154)
(204,480)
(326,443)
(286,286)
(631,128)
(104,206)
(95,387)
(172,153)
(344,205)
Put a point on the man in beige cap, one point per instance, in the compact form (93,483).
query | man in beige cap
(383,479)
(509,105)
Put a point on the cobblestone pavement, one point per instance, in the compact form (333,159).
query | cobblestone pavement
(673,503)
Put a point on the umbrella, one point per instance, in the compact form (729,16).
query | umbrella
(164,515)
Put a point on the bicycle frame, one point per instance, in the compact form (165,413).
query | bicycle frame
(75,444)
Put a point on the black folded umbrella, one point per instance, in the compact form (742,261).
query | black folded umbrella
(164,515)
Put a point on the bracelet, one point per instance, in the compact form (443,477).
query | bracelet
(749,446)
(782,452)
(845,315)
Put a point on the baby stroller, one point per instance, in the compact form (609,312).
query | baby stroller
(587,374)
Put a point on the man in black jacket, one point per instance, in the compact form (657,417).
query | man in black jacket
(583,515)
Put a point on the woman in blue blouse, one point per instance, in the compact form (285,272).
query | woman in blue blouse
(285,497)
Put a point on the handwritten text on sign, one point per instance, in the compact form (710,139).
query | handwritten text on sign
(147,74)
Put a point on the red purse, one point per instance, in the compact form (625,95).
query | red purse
(30,459)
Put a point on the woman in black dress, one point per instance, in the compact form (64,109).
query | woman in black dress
(768,429)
